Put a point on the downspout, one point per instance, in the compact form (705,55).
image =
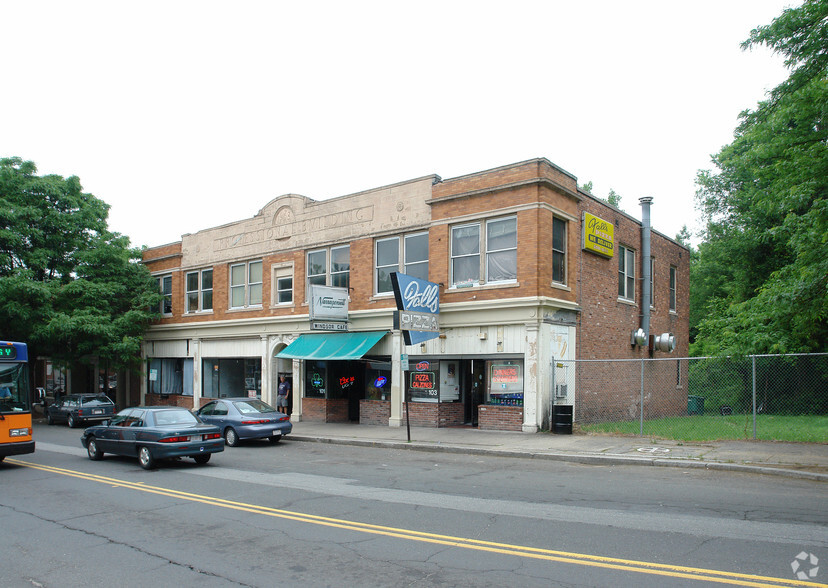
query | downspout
(647,279)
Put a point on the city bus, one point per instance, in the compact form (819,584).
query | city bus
(15,403)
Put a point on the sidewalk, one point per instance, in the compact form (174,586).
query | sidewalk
(796,460)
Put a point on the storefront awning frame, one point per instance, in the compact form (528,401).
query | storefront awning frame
(321,346)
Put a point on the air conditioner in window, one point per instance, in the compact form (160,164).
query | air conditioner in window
(560,391)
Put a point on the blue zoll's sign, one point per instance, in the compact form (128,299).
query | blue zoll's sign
(418,303)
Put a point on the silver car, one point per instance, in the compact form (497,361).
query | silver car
(242,419)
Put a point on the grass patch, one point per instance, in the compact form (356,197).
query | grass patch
(802,429)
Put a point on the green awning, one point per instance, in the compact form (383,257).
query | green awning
(331,345)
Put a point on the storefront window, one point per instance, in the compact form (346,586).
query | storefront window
(170,376)
(226,378)
(505,382)
(378,380)
(422,381)
(315,379)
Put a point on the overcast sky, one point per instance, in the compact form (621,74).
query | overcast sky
(184,115)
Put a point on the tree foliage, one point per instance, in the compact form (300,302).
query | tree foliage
(760,278)
(68,286)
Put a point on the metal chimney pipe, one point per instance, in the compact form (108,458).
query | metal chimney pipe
(647,279)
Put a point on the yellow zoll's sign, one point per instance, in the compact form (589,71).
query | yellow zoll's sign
(598,235)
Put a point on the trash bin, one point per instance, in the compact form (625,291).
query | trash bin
(695,405)
(562,419)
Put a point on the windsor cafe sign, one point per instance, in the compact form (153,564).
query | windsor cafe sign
(418,308)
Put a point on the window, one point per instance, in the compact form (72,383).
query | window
(673,274)
(412,249)
(283,280)
(387,261)
(246,284)
(652,282)
(416,255)
(501,252)
(337,274)
(165,287)
(626,273)
(465,255)
(558,251)
(170,376)
(223,378)
(340,266)
(200,291)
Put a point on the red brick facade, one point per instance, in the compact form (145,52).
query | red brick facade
(597,323)
(499,418)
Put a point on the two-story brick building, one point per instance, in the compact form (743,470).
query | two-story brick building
(526,275)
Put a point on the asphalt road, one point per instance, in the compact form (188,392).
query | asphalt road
(308,514)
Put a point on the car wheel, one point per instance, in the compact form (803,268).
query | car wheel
(92,449)
(231,437)
(70,420)
(202,458)
(275,438)
(145,458)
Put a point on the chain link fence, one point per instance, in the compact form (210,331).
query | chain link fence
(767,397)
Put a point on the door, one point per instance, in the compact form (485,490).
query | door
(473,385)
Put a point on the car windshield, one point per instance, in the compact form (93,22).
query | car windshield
(253,406)
(175,417)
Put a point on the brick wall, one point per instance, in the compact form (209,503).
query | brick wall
(325,411)
(605,321)
(433,414)
(374,412)
(499,418)
(171,400)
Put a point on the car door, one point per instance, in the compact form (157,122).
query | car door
(111,438)
(67,406)
(132,432)
(206,412)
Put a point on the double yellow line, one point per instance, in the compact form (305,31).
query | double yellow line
(596,561)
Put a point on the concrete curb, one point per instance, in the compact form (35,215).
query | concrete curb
(582,458)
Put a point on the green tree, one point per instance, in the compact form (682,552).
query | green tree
(614,198)
(68,286)
(761,277)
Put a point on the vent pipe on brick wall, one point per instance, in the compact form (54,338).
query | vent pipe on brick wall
(646,278)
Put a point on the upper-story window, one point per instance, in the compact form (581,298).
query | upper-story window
(497,238)
(652,283)
(626,273)
(411,249)
(165,287)
(330,267)
(673,275)
(199,290)
(246,284)
(283,284)
(558,250)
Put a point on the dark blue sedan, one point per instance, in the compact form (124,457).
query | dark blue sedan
(152,433)
(245,418)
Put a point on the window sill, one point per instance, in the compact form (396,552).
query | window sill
(559,286)
(627,301)
(198,312)
(383,296)
(478,287)
(244,308)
